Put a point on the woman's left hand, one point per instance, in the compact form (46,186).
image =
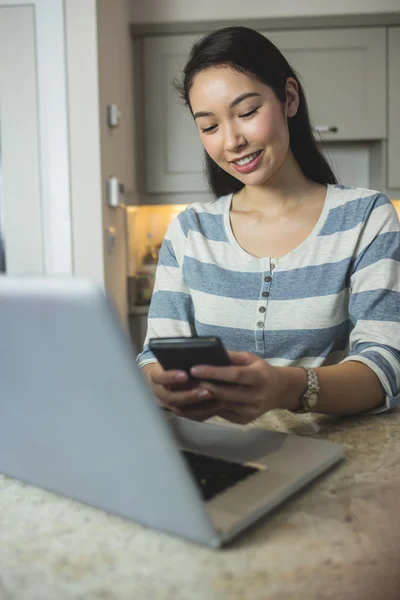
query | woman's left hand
(258,387)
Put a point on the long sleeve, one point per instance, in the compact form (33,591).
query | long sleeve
(374,304)
(171,308)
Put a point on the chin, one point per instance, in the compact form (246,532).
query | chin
(249,179)
(255,179)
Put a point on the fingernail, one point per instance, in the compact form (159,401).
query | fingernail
(204,394)
(197,371)
(181,376)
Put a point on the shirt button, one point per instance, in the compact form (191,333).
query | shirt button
(272,266)
(260,324)
(261,309)
(265,294)
(267,278)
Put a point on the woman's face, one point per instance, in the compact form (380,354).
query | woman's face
(241,123)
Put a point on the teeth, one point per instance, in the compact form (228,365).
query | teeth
(247,160)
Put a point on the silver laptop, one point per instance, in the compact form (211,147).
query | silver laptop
(77,418)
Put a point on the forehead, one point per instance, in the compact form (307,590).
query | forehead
(221,84)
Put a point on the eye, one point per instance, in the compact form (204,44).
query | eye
(208,129)
(250,113)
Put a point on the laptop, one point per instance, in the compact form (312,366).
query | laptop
(78,418)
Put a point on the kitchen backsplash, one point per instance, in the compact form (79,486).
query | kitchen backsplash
(146,228)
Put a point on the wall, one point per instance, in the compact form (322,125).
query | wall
(69,141)
(84,138)
(168,11)
(99,64)
(116,87)
(52,110)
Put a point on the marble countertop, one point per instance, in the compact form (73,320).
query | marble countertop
(339,539)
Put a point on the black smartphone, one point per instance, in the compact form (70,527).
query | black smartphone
(182,353)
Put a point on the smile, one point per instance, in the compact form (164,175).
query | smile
(249,163)
(247,159)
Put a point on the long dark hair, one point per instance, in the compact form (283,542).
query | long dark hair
(249,52)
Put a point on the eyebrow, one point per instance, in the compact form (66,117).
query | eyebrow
(234,103)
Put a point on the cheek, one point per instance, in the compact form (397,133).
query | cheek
(269,128)
(211,146)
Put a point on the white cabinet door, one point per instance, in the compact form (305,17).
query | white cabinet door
(20,198)
(174,154)
(394,109)
(344,76)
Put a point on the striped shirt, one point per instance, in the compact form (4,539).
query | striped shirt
(335,297)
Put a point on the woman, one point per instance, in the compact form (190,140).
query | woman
(298,276)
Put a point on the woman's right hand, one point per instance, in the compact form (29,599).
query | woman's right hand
(183,397)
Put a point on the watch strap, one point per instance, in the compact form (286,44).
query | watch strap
(309,400)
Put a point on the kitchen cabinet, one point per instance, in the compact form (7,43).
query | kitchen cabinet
(394,109)
(344,75)
(343,72)
(174,154)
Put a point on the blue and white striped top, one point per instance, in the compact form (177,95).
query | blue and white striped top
(335,297)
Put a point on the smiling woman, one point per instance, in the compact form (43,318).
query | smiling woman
(297,275)
(248,54)
(244,136)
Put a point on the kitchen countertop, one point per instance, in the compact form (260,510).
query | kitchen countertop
(138,309)
(338,539)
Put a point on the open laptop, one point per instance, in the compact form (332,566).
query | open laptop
(77,418)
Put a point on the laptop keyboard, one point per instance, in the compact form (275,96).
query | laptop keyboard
(215,475)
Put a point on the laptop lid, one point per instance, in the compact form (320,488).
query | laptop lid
(77,417)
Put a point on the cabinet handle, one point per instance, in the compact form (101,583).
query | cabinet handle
(326,128)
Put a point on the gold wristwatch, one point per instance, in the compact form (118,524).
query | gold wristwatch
(309,400)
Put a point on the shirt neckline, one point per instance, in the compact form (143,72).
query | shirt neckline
(286,257)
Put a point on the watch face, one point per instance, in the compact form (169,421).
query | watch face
(312,399)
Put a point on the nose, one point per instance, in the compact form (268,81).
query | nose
(234,140)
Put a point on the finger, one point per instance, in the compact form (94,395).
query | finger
(169,377)
(228,394)
(234,374)
(164,393)
(238,399)
(178,398)
(199,412)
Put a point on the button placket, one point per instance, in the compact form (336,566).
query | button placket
(262,308)
(272,264)
(263,305)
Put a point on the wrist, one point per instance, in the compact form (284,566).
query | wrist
(295,379)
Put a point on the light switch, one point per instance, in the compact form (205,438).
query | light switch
(113,115)
(115,190)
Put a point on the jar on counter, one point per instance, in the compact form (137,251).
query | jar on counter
(145,279)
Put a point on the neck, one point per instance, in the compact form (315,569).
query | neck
(286,188)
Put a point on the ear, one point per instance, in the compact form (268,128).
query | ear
(292,97)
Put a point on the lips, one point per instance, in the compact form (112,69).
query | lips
(246,159)
(250,166)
